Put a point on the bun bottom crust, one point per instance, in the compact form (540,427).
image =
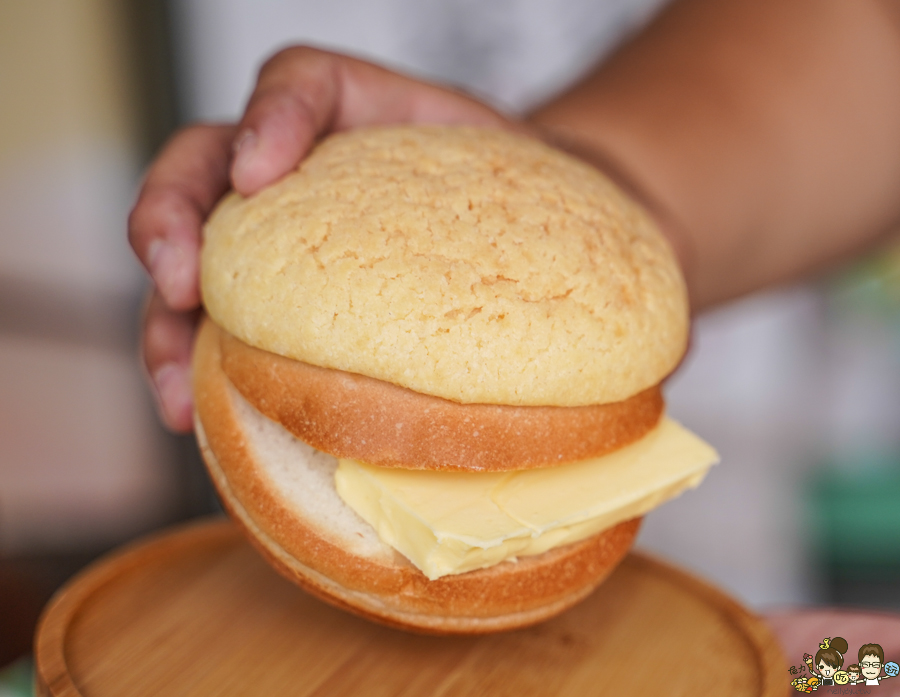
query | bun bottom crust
(336,563)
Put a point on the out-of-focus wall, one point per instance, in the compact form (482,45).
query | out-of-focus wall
(83,462)
(67,153)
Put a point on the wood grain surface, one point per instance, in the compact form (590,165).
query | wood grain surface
(197,612)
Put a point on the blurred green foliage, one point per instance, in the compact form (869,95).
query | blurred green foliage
(855,514)
(871,284)
(16,679)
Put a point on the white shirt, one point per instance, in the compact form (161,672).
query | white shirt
(512,53)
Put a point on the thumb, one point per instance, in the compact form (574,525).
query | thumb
(303,93)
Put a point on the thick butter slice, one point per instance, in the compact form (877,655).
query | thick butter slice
(452,522)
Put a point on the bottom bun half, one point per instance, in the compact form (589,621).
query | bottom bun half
(282,493)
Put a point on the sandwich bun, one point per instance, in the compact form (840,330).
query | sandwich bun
(312,537)
(436,298)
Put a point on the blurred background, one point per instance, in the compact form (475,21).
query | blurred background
(798,388)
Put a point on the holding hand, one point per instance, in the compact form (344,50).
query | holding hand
(301,95)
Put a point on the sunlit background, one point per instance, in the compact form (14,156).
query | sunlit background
(798,388)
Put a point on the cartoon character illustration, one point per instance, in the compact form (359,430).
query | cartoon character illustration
(871,661)
(799,682)
(826,667)
(829,659)
(803,684)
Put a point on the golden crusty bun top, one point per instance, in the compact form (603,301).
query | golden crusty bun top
(470,264)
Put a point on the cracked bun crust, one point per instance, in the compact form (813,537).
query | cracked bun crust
(470,264)
(282,493)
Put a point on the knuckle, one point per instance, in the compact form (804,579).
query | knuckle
(185,140)
(134,226)
(161,337)
(147,221)
(141,226)
(287,57)
(193,132)
(284,67)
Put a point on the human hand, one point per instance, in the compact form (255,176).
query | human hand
(301,95)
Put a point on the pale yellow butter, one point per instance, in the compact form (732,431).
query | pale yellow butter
(452,522)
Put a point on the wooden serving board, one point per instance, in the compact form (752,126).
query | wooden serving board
(197,612)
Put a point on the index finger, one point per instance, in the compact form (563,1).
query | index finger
(180,190)
(303,93)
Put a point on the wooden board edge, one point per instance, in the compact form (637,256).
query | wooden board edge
(51,675)
(771,663)
(53,679)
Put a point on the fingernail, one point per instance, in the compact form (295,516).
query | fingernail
(244,139)
(173,390)
(167,267)
(244,148)
(153,260)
